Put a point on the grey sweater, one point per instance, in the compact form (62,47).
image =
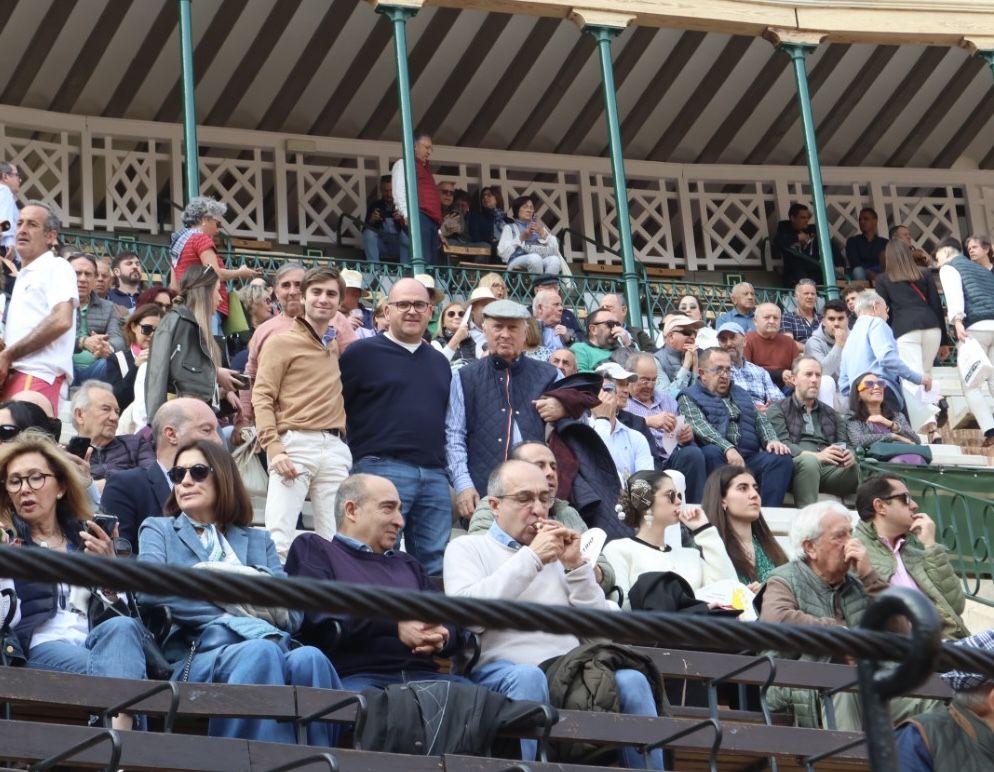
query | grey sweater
(823,348)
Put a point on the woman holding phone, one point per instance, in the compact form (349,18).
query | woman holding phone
(65,628)
(452,336)
(526,244)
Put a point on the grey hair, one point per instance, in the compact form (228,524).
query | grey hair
(632,362)
(172,414)
(539,300)
(806,525)
(740,285)
(6,168)
(867,300)
(353,488)
(286,268)
(81,399)
(495,483)
(201,207)
(805,283)
(974,699)
(52,220)
(251,294)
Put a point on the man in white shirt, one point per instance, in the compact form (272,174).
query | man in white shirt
(969,292)
(525,556)
(41,322)
(10,186)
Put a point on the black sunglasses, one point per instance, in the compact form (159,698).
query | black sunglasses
(147,329)
(8,432)
(453,313)
(198,472)
(905,496)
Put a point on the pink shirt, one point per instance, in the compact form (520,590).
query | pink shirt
(901,577)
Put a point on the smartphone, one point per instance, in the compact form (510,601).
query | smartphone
(78,446)
(243,381)
(106,522)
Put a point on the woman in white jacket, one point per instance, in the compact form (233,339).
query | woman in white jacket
(650,503)
(526,244)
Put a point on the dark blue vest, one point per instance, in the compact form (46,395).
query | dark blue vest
(718,416)
(496,395)
(978,289)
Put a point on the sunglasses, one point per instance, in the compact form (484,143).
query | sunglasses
(198,472)
(905,496)
(8,432)
(871,383)
(147,329)
(452,314)
(673,496)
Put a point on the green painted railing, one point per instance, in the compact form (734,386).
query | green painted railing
(964,522)
(580,292)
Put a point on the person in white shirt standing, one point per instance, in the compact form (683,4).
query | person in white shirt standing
(10,186)
(41,322)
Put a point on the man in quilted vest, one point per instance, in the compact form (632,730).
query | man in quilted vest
(900,541)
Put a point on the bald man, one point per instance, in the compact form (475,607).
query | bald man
(396,390)
(767,347)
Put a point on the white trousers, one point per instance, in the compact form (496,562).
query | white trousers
(919,348)
(323,462)
(979,399)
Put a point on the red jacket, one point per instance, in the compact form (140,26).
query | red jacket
(429,201)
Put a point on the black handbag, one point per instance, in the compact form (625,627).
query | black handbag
(157,667)
(11,653)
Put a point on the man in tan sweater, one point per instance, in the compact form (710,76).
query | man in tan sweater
(300,413)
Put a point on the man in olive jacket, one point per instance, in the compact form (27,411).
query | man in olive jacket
(901,544)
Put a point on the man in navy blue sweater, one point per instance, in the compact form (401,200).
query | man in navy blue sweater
(370,652)
(396,390)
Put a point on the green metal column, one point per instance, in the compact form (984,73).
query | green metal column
(399,16)
(191,171)
(798,53)
(604,36)
(988,55)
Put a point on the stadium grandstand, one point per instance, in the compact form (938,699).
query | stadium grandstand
(507,384)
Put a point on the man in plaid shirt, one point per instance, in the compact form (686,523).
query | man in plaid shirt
(802,323)
(753,378)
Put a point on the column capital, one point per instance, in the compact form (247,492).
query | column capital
(406,7)
(587,19)
(782,36)
(983,46)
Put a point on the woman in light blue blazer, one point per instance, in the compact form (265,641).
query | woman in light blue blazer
(208,527)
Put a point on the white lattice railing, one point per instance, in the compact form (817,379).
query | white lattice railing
(115,175)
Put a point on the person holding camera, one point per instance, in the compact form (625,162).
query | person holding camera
(69,629)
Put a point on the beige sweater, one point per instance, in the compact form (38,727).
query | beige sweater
(298,386)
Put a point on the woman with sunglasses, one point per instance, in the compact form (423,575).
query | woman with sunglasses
(184,359)
(452,336)
(690,307)
(18,415)
(64,628)
(732,504)
(208,525)
(870,420)
(650,503)
(123,367)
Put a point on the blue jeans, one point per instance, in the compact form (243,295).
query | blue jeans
(377,243)
(261,661)
(359,681)
(690,460)
(425,504)
(430,243)
(113,649)
(517,682)
(93,372)
(773,472)
(528,682)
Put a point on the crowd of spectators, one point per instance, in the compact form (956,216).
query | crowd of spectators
(534,432)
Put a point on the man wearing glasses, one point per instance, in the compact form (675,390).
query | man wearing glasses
(300,413)
(10,186)
(396,391)
(900,541)
(526,556)
(731,430)
(604,337)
